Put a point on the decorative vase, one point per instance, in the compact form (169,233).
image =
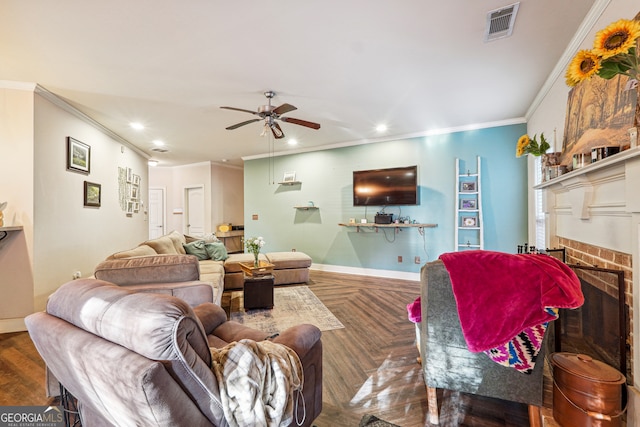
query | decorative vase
(256,263)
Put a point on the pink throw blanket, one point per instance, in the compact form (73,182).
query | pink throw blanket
(499,295)
(414,311)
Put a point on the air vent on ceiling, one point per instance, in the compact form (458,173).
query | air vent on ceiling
(500,22)
(159,150)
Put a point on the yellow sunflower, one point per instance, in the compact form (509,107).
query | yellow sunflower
(616,38)
(523,143)
(584,65)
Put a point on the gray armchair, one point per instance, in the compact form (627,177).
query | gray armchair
(448,364)
(136,358)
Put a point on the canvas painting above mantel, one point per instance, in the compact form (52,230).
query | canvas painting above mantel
(599,113)
(603,108)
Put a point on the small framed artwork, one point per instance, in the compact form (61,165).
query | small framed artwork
(130,207)
(469,221)
(467,187)
(129,175)
(136,179)
(468,204)
(289,177)
(92,194)
(134,192)
(136,207)
(78,156)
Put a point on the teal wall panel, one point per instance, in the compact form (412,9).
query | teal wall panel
(326,180)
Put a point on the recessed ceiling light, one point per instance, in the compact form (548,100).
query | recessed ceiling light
(158,143)
(136,125)
(153,163)
(293,141)
(381,128)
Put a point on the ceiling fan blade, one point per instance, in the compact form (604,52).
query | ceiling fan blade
(311,125)
(237,125)
(239,109)
(284,108)
(277,131)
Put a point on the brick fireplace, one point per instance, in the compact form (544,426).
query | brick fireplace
(598,323)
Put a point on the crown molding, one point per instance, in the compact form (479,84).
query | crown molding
(585,29)
(441,131)
(10,84)
(59,102)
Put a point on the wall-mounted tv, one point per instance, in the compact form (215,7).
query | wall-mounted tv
(386,187)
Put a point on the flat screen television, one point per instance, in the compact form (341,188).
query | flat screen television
(386,187)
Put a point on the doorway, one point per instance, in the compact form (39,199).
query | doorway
(156,213)
(194,215)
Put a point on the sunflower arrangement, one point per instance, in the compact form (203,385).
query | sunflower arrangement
(528,145)
(614,53)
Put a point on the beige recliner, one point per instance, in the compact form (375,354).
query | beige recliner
(135,358)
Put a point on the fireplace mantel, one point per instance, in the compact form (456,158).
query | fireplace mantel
(582,174)
(598,206)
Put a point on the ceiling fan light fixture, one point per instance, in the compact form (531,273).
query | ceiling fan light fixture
(271,116)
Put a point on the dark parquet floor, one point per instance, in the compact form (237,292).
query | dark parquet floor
(370,366)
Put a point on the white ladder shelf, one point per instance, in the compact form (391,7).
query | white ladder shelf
(469,227)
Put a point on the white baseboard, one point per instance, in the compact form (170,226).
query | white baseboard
(12,325)
(391,274)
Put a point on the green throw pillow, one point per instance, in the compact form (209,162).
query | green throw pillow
(196,248)
(216,251)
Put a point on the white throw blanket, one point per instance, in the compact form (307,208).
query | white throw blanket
(257,382)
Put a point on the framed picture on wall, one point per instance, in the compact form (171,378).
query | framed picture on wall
(468,187)
(467,204)
(469,221)
(78,156)
(289,177)
(92,194)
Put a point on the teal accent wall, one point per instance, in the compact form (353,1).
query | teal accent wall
(326,180)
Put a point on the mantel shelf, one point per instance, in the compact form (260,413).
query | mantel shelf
(600,164)
(306,208)
(290,182)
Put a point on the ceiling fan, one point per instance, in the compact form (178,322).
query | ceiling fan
(270,115)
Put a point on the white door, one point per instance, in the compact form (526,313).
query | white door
(156,213)
(194,216)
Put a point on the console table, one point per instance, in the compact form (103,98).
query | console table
(232,240)
(397,227)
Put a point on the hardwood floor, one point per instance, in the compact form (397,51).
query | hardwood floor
(370,366)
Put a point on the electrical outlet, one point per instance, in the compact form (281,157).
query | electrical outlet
(254,217)
(399,258)
(417,260)
(76,275)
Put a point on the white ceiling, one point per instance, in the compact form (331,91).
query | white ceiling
(417,65)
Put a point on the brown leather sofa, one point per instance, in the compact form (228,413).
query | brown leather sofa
(137,358)
(177,275)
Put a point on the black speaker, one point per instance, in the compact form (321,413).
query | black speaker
(382,218)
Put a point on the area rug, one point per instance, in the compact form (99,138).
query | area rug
(373,421)
(292,305)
